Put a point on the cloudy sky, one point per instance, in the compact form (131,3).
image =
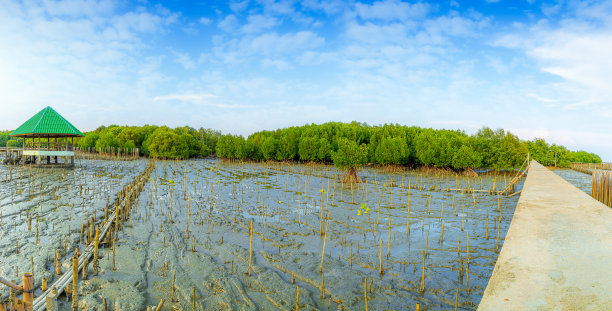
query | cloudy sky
(536,68)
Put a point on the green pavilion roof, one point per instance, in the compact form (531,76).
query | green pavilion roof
(47,123)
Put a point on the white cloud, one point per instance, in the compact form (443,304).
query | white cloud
(274,44)
(389,10)
(77,8)
(199,99)
(205,21)
(257,23)
(229,23)
(572,139)
(144,22)
(311,58)
(330,7)
(184,60)
(454,26)
(275,63)
(278,7)
(377,34)
(185,97)
(542,99)
(578,57)
(81,57)
(269,44)
(239,6)
(576,52)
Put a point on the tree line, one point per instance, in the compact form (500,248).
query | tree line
(7,141)
(151,140)
(344,144)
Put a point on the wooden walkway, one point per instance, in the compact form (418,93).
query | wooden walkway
(557,254)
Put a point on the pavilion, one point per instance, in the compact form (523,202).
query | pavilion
(59,135)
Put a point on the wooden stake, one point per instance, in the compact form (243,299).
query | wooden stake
(408,216)
(380,268)
(75,280)
(365,293)
(250,247)
(324,240)
(96,256)
(172,288)
(456,299)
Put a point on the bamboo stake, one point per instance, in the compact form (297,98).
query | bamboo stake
(380,268)
(250,247)
(172,288)
(408,214)
(75,280)
(456,299)
(423,275)
(324,240)
(159,306)
(365,293)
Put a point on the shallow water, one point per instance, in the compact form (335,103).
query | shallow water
(367,222)
(580,180)
(54,202)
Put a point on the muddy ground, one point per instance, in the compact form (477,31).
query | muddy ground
(191,225)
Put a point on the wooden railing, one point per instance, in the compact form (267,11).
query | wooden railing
(49,146)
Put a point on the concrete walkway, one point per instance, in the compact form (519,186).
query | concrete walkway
(557,254)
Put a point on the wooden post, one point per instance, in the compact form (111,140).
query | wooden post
(95,264)
(28,289)
(75,280)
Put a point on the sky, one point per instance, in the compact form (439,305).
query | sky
(535,68)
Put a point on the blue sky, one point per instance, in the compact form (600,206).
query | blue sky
(536,68)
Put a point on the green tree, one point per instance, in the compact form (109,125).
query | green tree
(391,151)
(239,149)
(349,157)
(510,154)
(4,137)
(166,143)
(325,150)
(486,143)
(12,143)
(308,148)
(89,141)
(269,148)
(288,144)
(225,147)
(205,150)
(466,157)
(129,146)
(107,142)
(248,149)
(428,148)
(584,157)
